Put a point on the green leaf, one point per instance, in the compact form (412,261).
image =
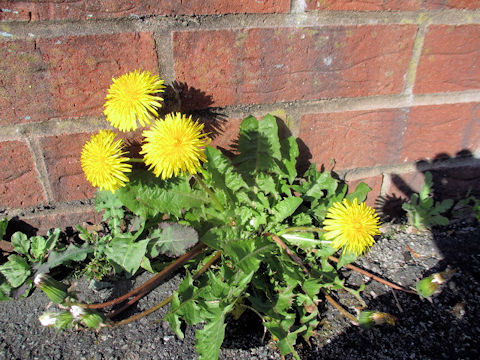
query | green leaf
(426,190)
(360,193)
(258,147)
(72,253)
(5,289)
(20,243)
(126,253)
(39,247)
(248,253)
(223,173)
(147,196)
(108,201)
(323,186)
(210,338)
(172,239)
(346,258)
(289,149)
(3,227)
(444,205)
(16,270)
(285,208)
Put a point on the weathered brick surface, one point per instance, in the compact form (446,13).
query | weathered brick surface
(441,131)
(452,4)
(39,225)
(81,67)
(387,5)
(87,9)
(19,184)
(450,59)
(62,158)
(23,84)
(67,76)
(353,139)
(267,65)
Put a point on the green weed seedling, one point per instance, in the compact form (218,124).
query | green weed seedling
(423,211)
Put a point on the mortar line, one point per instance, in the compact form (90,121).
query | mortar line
(40,167)
(59,28)
(58,126)
(416,53)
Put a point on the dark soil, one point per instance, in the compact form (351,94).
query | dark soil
(445,328)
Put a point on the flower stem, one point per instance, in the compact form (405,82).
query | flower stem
(136,160)
(154,281)
(209,192)
(166,300)
(301,229)
(372,276)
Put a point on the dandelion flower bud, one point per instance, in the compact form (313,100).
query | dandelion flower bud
(55,290)
(367,319)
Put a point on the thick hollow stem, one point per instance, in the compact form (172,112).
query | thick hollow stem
(301,229)
(165,301)
(373,277)
(209,192)
(154,281)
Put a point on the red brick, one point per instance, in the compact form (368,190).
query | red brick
(441,131)
(85,9)
(452,4)
(450,59)
(364,5)
(62,157)
(353,139)
(19,184)
(81,67)
(61,219)
(375,183)
(23,84)
(268,65)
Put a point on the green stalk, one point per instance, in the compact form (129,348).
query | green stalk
(209,192)
(301,229)
(136,160)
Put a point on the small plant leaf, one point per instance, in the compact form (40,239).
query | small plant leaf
(173,239)
(71,253)
(303,240)
(126,253)
(20,243)
(147,196)
(286,207)
(210,338)
(360,193)
(16,270)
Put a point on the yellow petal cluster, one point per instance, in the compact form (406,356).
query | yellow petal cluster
(103,163)
(131,98)
(351,226)
(174,145)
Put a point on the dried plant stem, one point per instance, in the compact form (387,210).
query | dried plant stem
(337,306)
(373,277)
(298,261)
(154,281)
(166,300)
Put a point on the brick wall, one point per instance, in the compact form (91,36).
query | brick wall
(378,90)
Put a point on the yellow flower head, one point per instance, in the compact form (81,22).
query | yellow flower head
(174,145)
(103,163)
(352,226)
(131,97)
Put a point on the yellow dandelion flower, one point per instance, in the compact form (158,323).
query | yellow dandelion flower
(352,226)
(174,145)
(103,163)
(131,97)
